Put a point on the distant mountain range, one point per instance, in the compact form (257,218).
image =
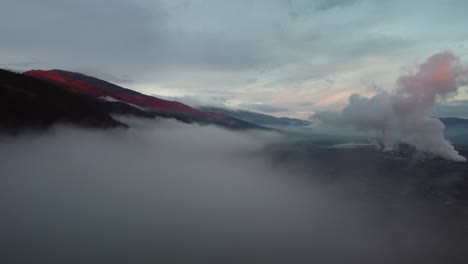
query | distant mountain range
(257,118)
(38,98)
(454,121)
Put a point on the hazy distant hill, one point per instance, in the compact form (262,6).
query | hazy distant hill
(257,118)
(456,130)
(454,121)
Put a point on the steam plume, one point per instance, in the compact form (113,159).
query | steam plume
(404,115)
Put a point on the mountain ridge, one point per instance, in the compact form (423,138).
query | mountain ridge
(153,106)
(39,99)
(103,98)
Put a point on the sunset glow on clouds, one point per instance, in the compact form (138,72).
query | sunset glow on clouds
(294,55)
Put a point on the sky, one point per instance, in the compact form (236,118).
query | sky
(281,57)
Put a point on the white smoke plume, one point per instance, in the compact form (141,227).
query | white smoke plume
(404,115)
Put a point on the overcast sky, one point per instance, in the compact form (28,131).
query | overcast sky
(276,56)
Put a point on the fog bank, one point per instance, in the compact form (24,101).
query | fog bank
(168,192)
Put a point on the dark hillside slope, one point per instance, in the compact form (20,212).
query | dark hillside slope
(26,102)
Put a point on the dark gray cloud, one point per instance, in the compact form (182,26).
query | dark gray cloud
(114,37)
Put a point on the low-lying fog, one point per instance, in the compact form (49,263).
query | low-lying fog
(167,192)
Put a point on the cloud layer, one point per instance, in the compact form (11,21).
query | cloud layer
(176,193)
